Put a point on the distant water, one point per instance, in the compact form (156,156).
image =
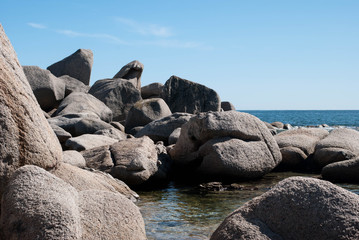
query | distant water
(347,118)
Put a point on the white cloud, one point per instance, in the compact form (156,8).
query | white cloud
(105,36)
(145,28)
(36,25)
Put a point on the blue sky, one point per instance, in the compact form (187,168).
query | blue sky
(259,55)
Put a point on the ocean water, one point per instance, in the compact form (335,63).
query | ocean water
(346,118)
(182,212)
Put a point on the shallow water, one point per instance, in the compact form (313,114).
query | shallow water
(183,212)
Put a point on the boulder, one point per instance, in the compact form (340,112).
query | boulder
(341,144)
(48,89)
(73,85)
(88,141)
(74,158)
(78,65)
(26,137)
(38,205)
(297,145)
(118,94)
(135,160)
(344,171)
(99,158)
(112,133)
(118,126)
(185,96)
(90,126)
(83,180)
(153,90)
(277,124)
(79,102)
(173,138)
(227,106)
(161,129)
(146,111)
(228,144)
(131,71)
(296,208)
(60,133)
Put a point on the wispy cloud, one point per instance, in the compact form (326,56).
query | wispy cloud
(36,25)
(167,43)
(146,28)
(104,36)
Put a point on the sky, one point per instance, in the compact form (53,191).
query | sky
(257,54)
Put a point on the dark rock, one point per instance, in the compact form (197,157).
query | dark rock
(146,111)
(73,85)
(296,208)
(118,126)
(153,90)
(173,138)
(118,94)
(99,158)
(48,89)
(132,72)
(227,106)
(60,133)
(78,65)
(90,126)
(344,171)
(112,133)
(185,96)
(135,130)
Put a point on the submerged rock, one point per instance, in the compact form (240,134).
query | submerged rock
(296,208)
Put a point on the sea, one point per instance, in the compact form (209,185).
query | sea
(184,212)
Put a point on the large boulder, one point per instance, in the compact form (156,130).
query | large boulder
(135,160)
(73,85)
(48,89)
(161,129)
(78,65)
(26,137)
(88,141)
(132,72)
(79,102)
(297,145)
(228,144)
(185,96)
(341,144)
(146,111)
(39,205)
(296,208)
(99,158)
(118,94)
(153,90)
(112,133)
(343,171)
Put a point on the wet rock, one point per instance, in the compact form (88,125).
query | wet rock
(48,89)
(132,72)
(118,94)
(343,171)
(296,208)
(185,96)
(26,137)
(341,144)
(153,90)
(88,141)
(78,65)
(146,111)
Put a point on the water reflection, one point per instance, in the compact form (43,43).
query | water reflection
(184,212)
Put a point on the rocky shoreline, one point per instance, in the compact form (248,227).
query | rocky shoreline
(72,153)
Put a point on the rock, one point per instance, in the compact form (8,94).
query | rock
(78,65)
(226,145)
(185,96)
(60,133)
(84,103)
(341,144)
(135,160)
(344,171)
(227,106)
(135,130)
(83,180)
(277,124)
(118,94)
(118,126)
(173,138)
(131,71)
(153,90)
(38,205)
(287,126)
(297,145)
(146,111)
(164,165)
(112,133)
(73,85)
(296,208)
(99,158)
(90,126)
(26,137)
(74,158)
(48,89)
(107,215)
(88,141)
(161,129)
